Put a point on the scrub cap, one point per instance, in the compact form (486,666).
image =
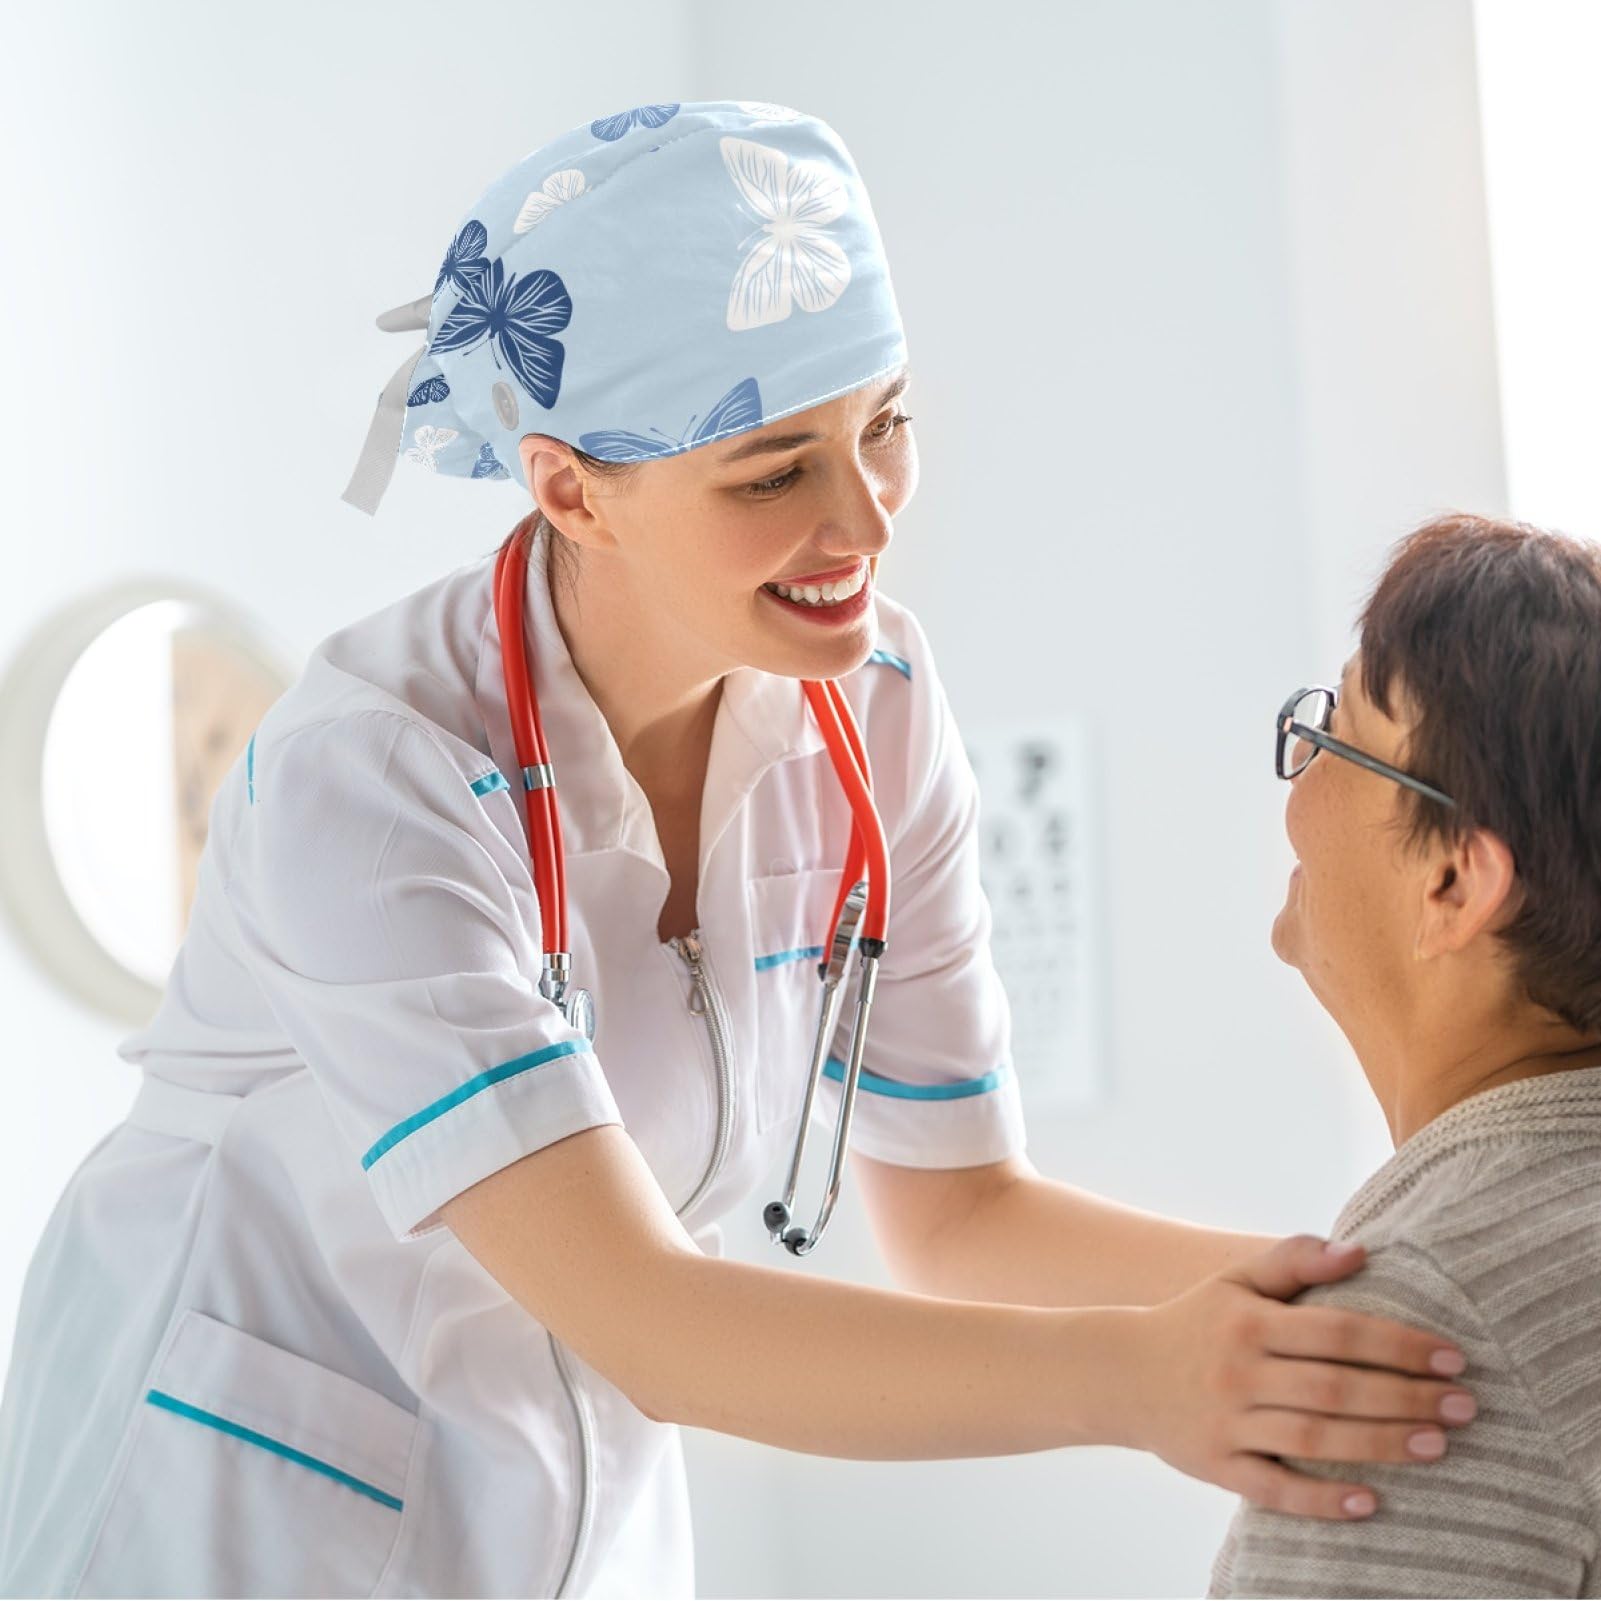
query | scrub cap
(645,284)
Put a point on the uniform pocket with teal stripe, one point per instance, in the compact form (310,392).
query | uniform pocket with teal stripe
(249,1470)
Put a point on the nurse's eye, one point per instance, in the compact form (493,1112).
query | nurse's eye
(773,486)
(776,486)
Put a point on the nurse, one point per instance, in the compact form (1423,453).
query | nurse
(395,1281)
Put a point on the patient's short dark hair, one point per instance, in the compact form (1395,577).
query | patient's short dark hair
(1490,633)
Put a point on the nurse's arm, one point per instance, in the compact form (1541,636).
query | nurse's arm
(1216,1382)
(1003,1232)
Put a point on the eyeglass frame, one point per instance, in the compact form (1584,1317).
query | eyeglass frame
(1318,739)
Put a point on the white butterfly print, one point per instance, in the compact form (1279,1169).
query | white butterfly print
(557,190)
(768,111)
(426,440)
(794,262)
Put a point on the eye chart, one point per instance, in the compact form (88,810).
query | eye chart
(1037,862)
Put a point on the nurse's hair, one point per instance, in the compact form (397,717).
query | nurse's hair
(1487,636)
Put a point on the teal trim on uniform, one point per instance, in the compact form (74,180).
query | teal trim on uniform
(489,783)
(250,770)
(462,1092)
(960,1090)
(889,659)
(810,953)
(182,1409)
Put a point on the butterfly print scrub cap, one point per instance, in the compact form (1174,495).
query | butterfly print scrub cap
(644,284)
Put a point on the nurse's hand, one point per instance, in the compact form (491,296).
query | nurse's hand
(1233,1379)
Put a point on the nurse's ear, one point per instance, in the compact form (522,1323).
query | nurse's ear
(567,489)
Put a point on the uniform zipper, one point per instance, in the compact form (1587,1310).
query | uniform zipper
(704,1001)
(586,1452)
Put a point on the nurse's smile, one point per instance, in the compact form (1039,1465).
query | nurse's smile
(828,599)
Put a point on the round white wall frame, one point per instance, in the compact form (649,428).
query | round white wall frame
(119,717)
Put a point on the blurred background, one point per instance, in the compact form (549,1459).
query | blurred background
(1207,304)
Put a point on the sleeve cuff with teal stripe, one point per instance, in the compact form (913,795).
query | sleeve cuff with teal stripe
(490,1120)
(956,1123)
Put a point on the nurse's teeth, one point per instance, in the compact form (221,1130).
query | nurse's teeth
(822,594)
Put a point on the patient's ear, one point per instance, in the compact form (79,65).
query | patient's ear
(1472,884)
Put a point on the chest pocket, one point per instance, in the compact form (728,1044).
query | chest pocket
(789,913)
(248,1470)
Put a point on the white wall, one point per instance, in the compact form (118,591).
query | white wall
(1542,129)
(1232,337)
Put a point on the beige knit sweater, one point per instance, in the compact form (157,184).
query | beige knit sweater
(1484,1226)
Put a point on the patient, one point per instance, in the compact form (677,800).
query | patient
(1446,910)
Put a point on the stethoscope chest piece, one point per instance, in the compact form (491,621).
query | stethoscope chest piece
(578,1007)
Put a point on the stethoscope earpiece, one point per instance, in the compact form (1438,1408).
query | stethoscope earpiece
(794,1240)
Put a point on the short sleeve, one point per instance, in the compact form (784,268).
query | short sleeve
(392,929)
(937,1087)
(1501,1514)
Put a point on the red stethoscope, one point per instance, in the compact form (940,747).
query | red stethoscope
(861,909)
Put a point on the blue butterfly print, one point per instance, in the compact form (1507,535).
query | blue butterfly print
(739,409)
(487,466)
(517,316)
(465,259)
(428,391)
(639,117)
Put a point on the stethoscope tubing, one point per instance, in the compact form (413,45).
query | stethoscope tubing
(864,888)
(547,851)
(867,847)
